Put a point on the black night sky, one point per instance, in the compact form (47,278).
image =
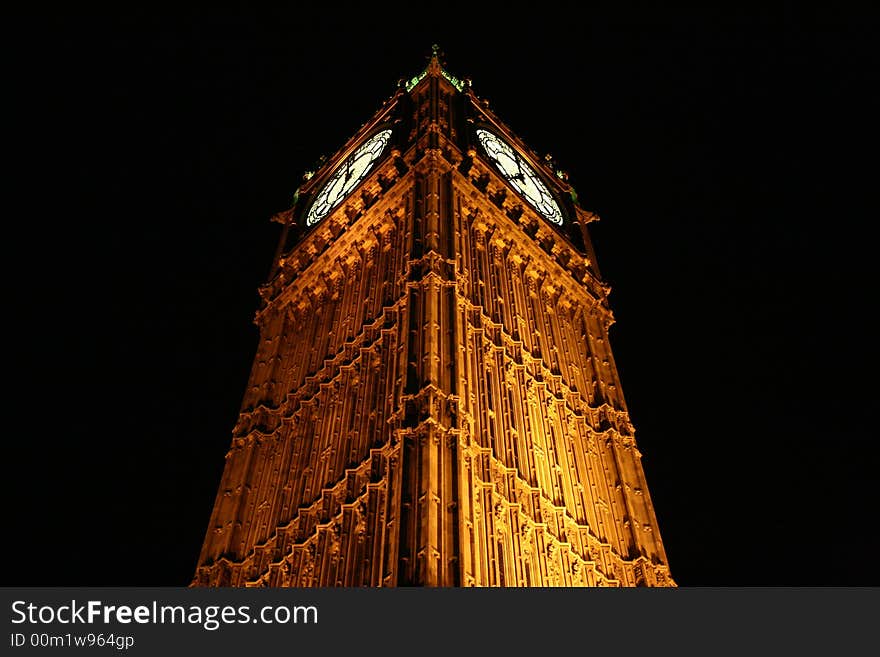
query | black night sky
(729,154)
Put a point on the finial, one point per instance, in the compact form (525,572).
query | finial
(437,54)
(434,64)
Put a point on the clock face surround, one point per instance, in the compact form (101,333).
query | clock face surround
(521,176)
(347,176)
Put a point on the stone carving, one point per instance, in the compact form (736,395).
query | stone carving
(419,290)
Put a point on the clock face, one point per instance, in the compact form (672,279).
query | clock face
(346,176)
(520,175)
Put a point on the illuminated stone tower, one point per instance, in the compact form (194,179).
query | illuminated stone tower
(434,400)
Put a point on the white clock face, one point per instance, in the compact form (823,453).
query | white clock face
(346,176)
(520,175)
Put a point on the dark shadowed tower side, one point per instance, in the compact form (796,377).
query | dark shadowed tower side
(434,400)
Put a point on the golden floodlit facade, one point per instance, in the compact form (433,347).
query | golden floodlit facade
(434,401)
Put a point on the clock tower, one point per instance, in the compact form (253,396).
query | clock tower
(434,400)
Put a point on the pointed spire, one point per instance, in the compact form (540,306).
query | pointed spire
(434,66)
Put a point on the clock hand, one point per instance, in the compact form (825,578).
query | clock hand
(508,174)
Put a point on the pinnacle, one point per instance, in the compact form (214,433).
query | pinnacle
(435,68)
(434,64)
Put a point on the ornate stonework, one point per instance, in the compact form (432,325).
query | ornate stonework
(434,400)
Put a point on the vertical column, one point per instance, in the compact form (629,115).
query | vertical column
(429,536)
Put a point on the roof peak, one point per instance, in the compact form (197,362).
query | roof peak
(435,67)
